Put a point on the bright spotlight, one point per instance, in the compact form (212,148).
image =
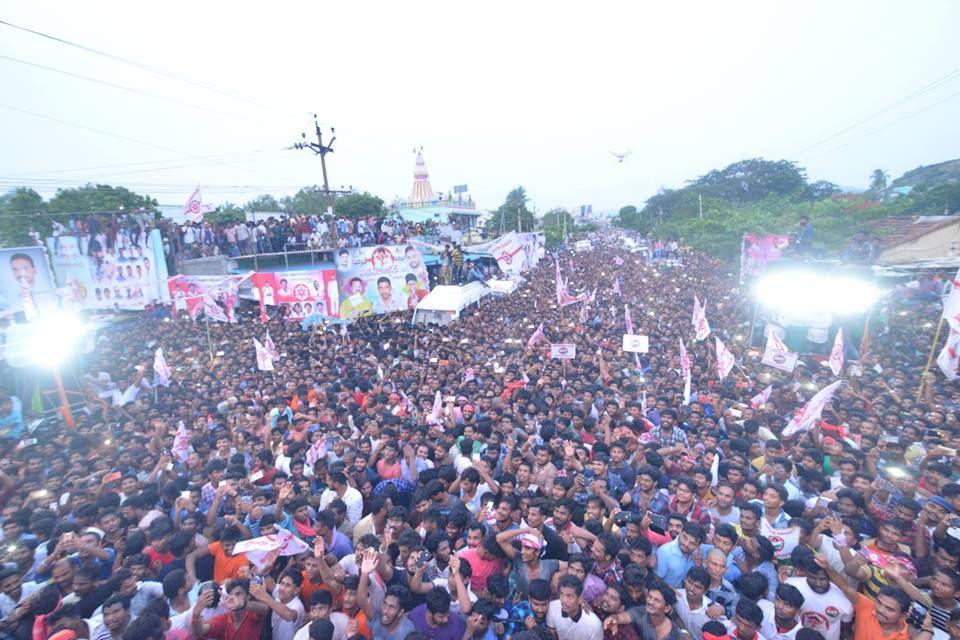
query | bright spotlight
(805,294)
(53,337)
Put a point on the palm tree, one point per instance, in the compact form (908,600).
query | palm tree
(878,180)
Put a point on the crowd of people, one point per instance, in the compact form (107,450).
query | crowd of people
(456,482)
(109,232)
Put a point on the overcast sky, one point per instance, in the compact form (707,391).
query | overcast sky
(498,94)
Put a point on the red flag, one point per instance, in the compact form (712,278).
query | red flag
(836,354)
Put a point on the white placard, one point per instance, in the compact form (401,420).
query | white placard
(563,350)
(634,343)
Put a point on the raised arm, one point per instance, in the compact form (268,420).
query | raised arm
(367,565)
(852,595)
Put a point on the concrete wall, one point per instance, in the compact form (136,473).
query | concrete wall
(212,266)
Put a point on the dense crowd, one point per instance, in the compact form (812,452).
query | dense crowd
(541,498)
(110,232)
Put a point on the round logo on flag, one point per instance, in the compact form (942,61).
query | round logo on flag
(832,611)
(194,206)
(301,292)
(779,358)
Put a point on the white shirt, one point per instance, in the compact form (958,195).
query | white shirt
(339,621)
(823,612)
(351,497)
(588,627)
(7,605)
(287,629)
(692,619)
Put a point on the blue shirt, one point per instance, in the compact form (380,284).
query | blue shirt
(672,564)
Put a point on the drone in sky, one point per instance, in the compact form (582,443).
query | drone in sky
(620,156)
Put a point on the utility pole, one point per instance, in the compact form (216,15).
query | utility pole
(320,149)
(519,227)
(700,197)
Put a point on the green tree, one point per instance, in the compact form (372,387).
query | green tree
(359,205)
(100,198)
(507,214)
(309,201)
(878,181)
(266,202)
(21,210)
(228,212)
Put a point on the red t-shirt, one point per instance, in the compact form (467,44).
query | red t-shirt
(222,627)
(157,558)
(481,569)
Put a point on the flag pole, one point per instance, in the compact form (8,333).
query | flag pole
(206,321)
(933,349)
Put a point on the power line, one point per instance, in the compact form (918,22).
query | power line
(897,121)
(113,85)
(915,94)
(93,129)
(121,137)
(145,67)
(140,163)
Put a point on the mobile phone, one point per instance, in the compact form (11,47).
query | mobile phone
(185,495)
(112,477)
(222,483)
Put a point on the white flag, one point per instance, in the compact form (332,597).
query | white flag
(806,417)
(951,306)
(700,324)
(725,360)
(181,443)
(434,415)
(270,347)
(161,371)
(777,355)
(264,361)
(213,310)
(761,398)
(836,354)
(194,209)
(628,319)
(684,359)
(949,358)
(282,543)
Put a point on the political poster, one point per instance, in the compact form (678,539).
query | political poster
(633,343)
(216,296)
(123,277)
(303,293)
(26,283)
(514,252)
(563,351)
(380,279)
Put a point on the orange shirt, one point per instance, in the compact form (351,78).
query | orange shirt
(866,626)
(226,567)
(363,627)
(308,588)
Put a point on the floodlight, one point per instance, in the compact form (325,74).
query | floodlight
(805,293)
(53,337)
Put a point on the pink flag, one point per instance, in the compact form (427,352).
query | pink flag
(270,347)
(469,374)
(161,371)
(317,451)
(761,398)
(700,323)
(616,287)
(564,298)
(806,417)
(628,319)
(836,354)
(264,361)
(536,337)
(434,415)
(725,359)
(194,209)
(949,358)
(617,260)
(584,315)
(181,443)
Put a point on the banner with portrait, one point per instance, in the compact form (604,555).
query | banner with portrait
(381,279)
(514,252)
(26,283)
(216,296)
(303,293)
(96,277)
